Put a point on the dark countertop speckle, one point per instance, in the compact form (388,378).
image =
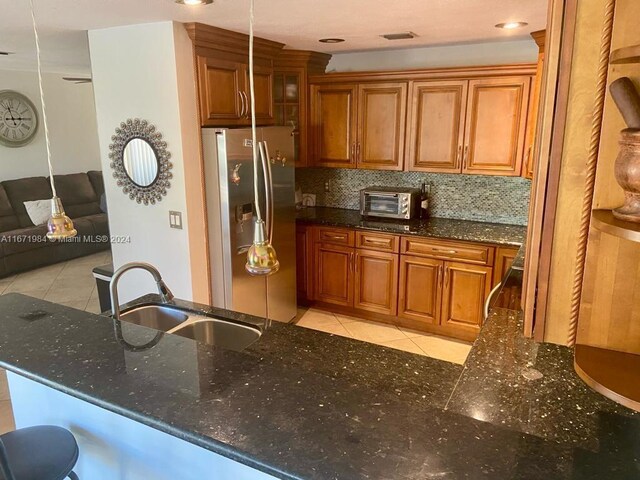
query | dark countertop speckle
(301,404)
(447,228)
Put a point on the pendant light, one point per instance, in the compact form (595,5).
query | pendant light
(59,225)
(262,259)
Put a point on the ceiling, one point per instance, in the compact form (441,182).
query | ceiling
(297,23)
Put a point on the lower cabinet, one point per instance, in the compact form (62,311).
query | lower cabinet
(376,281)
(333,265)
(405,281)
(465,289)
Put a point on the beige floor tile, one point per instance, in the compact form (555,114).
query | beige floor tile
(412,333)
(301,313)
(96,260)
(316,318)
(404,344)
(373,332)
(443,348)
(63,294)
(78,305)
(29,281)
(26,291)
(7,423)
(344,319)
(93,306)
(4,386)
(335,329)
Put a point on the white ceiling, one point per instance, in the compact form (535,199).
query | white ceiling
(297,23)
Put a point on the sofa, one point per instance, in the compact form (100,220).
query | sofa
(24,246)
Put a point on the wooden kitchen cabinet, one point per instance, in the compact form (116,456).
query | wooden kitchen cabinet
(304,263)
(381,125)
(376,281)
(359,126)
(436,125)
(465,289)
(504,259)
(528,164)
(291,95)
(420,288)
(221,83)
(496,125)
(333,123)
(334,274)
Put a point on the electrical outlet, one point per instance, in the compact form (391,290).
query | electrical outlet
(327,186)
(175,220)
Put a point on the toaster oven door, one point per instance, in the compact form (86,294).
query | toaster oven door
(380,204)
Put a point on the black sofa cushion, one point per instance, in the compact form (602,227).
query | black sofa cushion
(23,240)
(8,219)
(100,224)
(79,199)
(24,190)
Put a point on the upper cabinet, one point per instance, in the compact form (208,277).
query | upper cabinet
(496,126)
(528,165)
(291,70)
(454,120)
(222,59)
(359,126)
(437,121)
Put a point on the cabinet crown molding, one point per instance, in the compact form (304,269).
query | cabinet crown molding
(226,41)
(426,73)
(314,62)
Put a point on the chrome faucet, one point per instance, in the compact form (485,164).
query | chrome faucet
(165,294)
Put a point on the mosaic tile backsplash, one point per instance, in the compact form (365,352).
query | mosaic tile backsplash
(465,197)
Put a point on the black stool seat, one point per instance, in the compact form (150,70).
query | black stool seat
(39,453)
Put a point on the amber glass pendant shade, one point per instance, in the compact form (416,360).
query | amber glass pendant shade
(59,225)
(261,257)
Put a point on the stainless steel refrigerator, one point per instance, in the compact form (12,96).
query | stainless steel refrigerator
(231,216)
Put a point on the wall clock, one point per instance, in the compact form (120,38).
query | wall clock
(18,119)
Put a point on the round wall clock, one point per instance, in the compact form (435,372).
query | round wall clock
(18,119)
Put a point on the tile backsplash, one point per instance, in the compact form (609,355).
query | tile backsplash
(467,197)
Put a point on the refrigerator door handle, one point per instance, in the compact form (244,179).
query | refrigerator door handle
(268,188)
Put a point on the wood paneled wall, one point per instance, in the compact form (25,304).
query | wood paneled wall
(597,329)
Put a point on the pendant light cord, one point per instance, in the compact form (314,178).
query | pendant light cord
(252,99)
(44,110)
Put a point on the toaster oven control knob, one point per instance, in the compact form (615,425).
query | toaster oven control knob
(405,209)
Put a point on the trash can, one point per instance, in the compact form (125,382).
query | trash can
(103,276)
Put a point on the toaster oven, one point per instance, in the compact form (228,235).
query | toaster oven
(390,202)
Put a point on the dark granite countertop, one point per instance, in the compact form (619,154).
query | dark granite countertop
(301,404)
(496,233)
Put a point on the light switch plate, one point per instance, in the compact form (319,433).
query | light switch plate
(175,219)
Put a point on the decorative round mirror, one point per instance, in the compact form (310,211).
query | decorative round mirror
(140,161)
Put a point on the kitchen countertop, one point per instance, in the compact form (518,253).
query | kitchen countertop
(304,404)
(447,228)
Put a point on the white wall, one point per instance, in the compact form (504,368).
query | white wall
(135,75)
(72,126)
(494,53)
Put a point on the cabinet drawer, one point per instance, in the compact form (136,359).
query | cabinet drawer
(335,236)
(463,252)
(378,241)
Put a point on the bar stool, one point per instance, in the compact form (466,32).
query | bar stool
(38,453)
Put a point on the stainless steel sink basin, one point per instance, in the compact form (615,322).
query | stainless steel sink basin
(159,317)
(210,330)
(221,333)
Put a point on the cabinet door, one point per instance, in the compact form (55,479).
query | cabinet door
(334,274)
(263,87)
(504,259)
(381,125)
(465,290)
(496,125)
(436,126)
(420,289)
(304,263)
(219,84)
(376,282)
(333,125)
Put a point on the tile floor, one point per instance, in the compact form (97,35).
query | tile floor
(69,283)
(387,335)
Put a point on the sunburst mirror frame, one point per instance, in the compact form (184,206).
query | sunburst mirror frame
(142,129)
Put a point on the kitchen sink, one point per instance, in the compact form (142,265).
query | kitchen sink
(210,330)
(213,331)
(159,317)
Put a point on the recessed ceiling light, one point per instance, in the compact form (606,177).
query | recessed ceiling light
(194,2)
(511,25)
(331,40)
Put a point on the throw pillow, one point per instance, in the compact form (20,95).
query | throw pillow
(38,211)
